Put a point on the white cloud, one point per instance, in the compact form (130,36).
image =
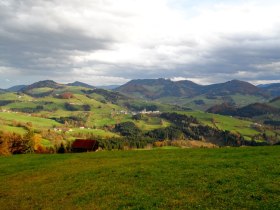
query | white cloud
(260,82)
(274,66)
(140,38)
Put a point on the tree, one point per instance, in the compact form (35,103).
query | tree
(86,107)
(28,142)
(128,129)
(37,141)
(137,117)
(4,145)
(61,149)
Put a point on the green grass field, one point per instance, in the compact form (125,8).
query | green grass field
(8,128)
(24,118)
(228,178)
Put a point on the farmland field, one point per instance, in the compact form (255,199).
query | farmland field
(227,178)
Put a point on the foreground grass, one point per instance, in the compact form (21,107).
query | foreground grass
(228,178)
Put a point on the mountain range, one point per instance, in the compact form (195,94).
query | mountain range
(184,93)
(159,88)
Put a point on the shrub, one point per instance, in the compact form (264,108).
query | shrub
(66,95)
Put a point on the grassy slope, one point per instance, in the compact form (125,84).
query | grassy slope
(229,178)
(9,128)
(225,122)
(14,96)
(36,121)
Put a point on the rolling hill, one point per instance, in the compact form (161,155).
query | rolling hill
(42,84)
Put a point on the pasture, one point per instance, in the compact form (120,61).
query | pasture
(227,178)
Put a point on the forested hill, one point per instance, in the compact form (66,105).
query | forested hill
(252,110)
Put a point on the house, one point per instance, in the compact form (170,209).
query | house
(256,125)
(83,145)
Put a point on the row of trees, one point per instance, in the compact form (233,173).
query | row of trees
(71,107)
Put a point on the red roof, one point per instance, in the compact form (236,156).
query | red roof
(83,144)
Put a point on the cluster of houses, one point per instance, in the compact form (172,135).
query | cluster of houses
(5,110)
(256,125)
(144,111)
(68,129)
(63,129)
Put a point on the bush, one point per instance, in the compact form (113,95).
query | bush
(86,107)
(70,107)
(66,95)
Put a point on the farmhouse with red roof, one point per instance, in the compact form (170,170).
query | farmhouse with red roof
(84,145)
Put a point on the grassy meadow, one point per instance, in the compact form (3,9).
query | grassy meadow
(227,178)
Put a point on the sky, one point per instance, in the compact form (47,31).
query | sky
(104,42)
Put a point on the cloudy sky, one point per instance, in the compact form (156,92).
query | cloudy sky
(105,42)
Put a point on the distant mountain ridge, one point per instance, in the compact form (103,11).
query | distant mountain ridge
(158,88)
(108,87)
(273,89)
(42,84)
(16,88)
(165,90)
